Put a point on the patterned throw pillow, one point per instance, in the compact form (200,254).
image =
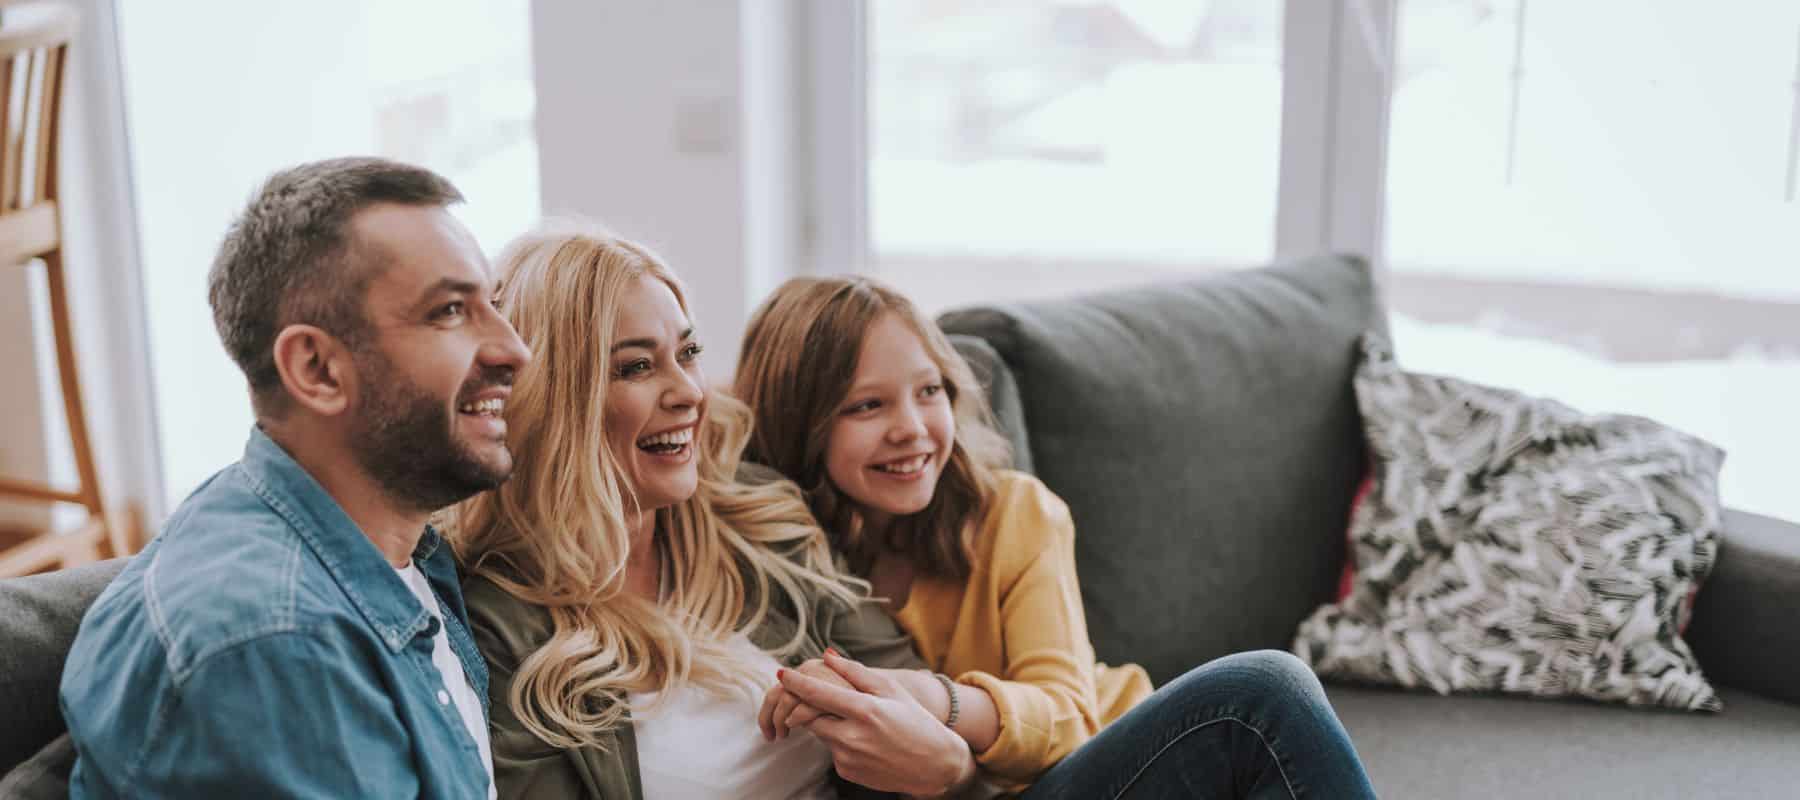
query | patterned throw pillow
(1512,544)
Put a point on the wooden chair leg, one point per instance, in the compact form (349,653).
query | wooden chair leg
(84,545)
(63,330)
(125,531)
(54,550)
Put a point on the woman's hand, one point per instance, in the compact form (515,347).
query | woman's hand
(879,736)
(781,711)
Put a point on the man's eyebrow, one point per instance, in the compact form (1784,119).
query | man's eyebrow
(447,286)
(647,342)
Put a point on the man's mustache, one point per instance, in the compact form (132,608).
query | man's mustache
(488,378)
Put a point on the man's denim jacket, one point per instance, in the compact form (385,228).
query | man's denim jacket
(262,647)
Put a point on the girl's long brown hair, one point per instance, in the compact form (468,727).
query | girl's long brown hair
(798,360)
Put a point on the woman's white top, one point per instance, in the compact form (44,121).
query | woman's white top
(698,745)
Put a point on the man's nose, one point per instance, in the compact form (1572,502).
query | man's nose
(503,347)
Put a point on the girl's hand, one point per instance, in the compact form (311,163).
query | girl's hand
(781,711)
(879,736)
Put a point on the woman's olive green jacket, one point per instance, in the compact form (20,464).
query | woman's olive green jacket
(507,630)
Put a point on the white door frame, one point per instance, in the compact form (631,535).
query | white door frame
(1337,80)
(836,77)
(100,231)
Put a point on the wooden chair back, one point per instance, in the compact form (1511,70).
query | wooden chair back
(34,49)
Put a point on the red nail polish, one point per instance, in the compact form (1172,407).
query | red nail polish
(779,673)
(834,651)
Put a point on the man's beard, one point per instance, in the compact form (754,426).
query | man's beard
(403,437)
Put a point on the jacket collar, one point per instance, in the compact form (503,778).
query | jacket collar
(359,569)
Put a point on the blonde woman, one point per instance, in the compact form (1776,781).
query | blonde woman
(862,402)
(633,593)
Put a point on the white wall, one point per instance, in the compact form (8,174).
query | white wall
(674,123)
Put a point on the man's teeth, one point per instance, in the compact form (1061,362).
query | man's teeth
(906,467)
(491,407)
(671,439)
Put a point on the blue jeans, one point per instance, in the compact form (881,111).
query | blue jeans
(1249,725)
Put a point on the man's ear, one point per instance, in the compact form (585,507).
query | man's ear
(316,369)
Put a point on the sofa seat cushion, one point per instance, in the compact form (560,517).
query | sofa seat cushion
(1205,437)
(44,776)
(1487,746)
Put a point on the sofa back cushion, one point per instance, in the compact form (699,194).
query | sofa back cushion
(1002,393)
(1205,436)
(39,615)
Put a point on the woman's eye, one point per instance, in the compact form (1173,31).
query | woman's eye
(858,408)
(692,351)
(450,310)
(631,368)
(932,390)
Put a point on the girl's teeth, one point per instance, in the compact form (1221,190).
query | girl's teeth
(905,467)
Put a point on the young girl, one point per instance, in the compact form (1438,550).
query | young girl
(862,402)
(632,593)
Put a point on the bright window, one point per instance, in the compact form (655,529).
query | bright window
(1596,201)
(261,86)
(1031,147)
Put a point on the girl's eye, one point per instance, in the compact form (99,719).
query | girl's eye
(932,390)
(692,351)
(866,405)
(633,368)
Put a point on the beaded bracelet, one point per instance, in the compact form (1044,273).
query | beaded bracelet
(949,686)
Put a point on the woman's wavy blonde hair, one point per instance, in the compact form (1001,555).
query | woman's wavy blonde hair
(798,361)
(557,534)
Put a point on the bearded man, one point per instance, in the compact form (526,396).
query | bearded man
(297,629)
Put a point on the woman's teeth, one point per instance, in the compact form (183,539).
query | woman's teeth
(906,467)
(667,442)
(489,407)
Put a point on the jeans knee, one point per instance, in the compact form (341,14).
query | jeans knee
(1280,663)
(1275,672)
(1254,682)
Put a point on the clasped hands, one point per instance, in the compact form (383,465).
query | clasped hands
(879,734)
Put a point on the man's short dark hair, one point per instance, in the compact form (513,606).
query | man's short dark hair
(290,259)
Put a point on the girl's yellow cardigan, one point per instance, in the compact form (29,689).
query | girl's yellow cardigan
(1016,629)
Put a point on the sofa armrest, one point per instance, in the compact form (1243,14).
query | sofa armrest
(39,616)
(1744,630)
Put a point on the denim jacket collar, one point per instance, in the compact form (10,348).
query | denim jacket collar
(353,561)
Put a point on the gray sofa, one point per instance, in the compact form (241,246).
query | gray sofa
(1206,439)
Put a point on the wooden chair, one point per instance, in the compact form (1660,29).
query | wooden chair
(34,46)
